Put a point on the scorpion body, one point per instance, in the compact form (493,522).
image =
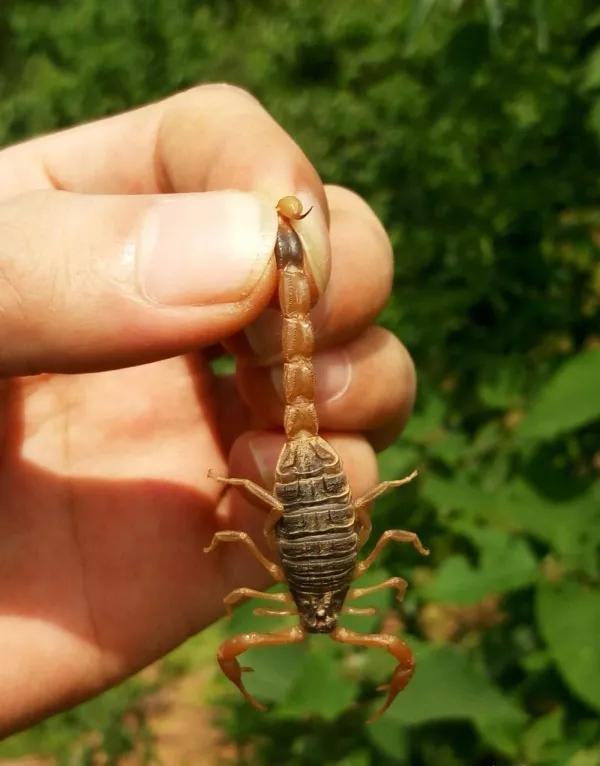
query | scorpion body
(315,535)
(313,522)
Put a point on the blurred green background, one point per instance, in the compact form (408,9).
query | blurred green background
(473,128)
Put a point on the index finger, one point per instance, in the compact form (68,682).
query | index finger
(208,138)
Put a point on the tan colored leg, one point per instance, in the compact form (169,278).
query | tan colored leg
(397,648)
(261,612)
(239,593)
(274,515)
(362,510)
(254,490)
(231,536)
(233,647)
(381,488)
(394,582)
(364,524)
(396,535)
(367,611)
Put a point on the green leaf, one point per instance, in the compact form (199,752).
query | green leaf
(545,738)
(419,11)
(568,400)
(357,758)
(593,119)
(540,13)
(223,365)
(586,758)
(274,670)
(101,717)
(392,741)
(501,383)
(427,420)
(320,688)
(505,564)
(591,72)
(569,618)
(397,461)
(570,526)
(455,494)
(450,447)
(494,12)
(455,582)
(448,686)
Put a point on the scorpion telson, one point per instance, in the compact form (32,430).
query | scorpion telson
(312,522)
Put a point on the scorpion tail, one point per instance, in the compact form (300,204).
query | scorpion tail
(295,298)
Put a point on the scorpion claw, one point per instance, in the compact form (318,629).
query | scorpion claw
(212,475)
(378,714)
(233,647)
(233,671)
(399,680)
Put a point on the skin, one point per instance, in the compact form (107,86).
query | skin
(105,505)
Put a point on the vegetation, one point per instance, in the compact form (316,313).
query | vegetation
(474,130)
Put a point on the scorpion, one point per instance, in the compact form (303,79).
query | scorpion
(313,522)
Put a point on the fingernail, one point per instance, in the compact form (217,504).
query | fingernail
(203,249)
(265,449)
(333,375)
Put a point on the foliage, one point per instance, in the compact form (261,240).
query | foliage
(77,737)
(473,129)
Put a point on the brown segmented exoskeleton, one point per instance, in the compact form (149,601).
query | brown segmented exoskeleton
(313,522)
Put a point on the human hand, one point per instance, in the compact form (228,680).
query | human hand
(120,258)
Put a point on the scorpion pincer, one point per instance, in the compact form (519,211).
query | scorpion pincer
(313,522)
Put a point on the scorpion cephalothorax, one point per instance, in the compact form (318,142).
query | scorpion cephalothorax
(313,522)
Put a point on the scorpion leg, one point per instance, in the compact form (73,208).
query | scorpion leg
(255,490)
(397,648)
(274,515)
(398,536)
(361,506)
(239,593)
(261,612)
(394,582)
(367,611)
(230,536)
(364,524)
(374,493)
(265,499)
(233,647)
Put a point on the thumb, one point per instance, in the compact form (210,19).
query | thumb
(93,282)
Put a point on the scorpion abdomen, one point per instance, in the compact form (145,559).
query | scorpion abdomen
(316,534)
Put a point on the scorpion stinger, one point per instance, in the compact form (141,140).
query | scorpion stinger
(313,522)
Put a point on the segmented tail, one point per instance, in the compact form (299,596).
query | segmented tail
(300,418)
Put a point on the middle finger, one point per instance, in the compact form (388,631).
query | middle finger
(365,385)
